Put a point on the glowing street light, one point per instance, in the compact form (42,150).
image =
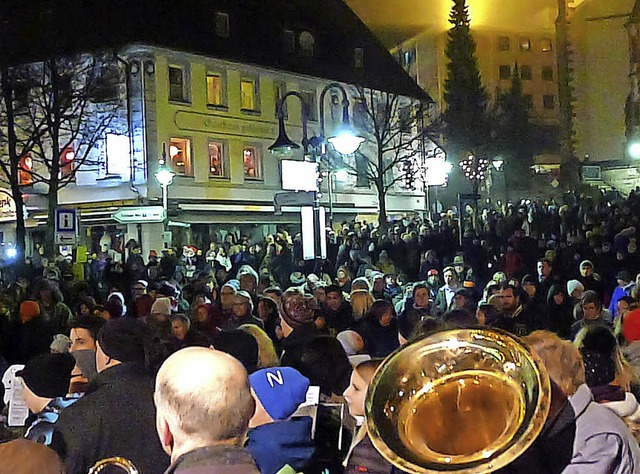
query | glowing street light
(165,178)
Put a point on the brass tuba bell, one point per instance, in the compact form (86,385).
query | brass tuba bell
(464,400)
(116,461)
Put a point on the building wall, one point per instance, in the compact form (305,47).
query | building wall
(601,82)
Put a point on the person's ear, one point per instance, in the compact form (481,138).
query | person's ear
(165,435)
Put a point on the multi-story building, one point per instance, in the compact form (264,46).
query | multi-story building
(202,85)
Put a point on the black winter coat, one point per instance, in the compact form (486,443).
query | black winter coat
(115,418)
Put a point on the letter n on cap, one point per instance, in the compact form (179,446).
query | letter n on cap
(275,378)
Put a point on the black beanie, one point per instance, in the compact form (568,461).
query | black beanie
(123,339)
(48,375)
(239,344)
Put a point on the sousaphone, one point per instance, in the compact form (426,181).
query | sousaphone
(464,400)
(116,461)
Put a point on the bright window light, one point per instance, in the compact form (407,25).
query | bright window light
(118,157)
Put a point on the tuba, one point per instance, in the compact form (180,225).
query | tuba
(463,400)
(116,461)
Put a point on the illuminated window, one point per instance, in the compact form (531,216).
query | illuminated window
(526,73)
(547,73)
(307,43)
(311,100)
(25,166)
(221,22)
(525,44)
(504,43)
(67,158)
(505,72)
(249,98)
(279,91)
(546,45)
(217,167)
(252,163)
(118,155)
(177,84)
(180,156)
(215,89)
(549,102)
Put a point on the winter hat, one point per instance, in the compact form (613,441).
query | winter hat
(120,296)
(239,344)
(235,284)
(432,272)
(573,285)
(597,349)
(123,339)
(458,260)
(298,309)
(48,375)
(29,310)
(623,275)
(351,341)
(161,306)
(60,344)
(280,390)
(631,326)
(586,263)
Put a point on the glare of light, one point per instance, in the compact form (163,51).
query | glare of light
(634,150)
(12,252)
(341,175)
(346,142)
(165,177)
(173,151)
(497,163)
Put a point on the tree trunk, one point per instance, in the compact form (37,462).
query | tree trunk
(382,206)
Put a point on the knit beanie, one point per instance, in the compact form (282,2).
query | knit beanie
(239,344)
(123,339)
(161,306)
(280,390)
(233,283)
(48,375)
(586,263)
(631,326)
(297,309)
(598,348)
(29,310)
(573,285)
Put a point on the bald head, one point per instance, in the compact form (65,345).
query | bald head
(203,398)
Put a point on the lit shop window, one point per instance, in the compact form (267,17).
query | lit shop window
(252,163)
(180,156)
(118,155)
(249,95)
(217,166)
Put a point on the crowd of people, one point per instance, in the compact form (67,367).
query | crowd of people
(196,361)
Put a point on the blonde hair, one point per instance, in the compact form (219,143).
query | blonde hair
(561,359)
(361,301)
(267,356)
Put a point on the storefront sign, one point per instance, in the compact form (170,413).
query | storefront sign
(241,127)
(7,206)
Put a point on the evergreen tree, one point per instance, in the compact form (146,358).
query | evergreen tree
(467,127)
(514,134)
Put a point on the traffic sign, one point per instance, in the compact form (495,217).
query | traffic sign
(66,220)
(135,215)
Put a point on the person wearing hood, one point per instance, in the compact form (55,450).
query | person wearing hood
(608,375)
(276,440)
(559,312)
(592,312)
(379,329)
(116,305)
(589,279)
(624,288)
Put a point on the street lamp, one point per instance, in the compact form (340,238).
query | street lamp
(165,178)
(345,141)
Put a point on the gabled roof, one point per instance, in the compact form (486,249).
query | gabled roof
(257,34)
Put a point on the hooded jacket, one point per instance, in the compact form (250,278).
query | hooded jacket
(281,443)
(602,443)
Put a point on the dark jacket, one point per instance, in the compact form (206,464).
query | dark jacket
(115,418)
(365,458)
(293,345)
(379,341)
(214,460)
(337,321)
(281,443)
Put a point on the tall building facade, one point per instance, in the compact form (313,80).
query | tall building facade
(204,101)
